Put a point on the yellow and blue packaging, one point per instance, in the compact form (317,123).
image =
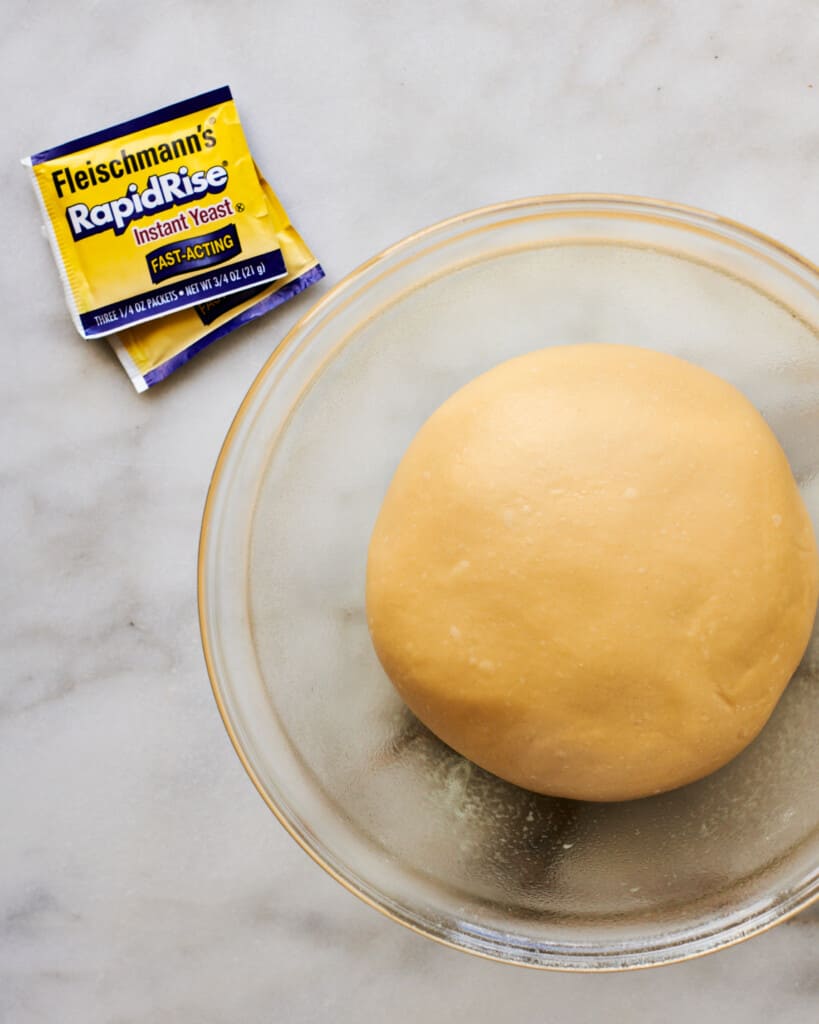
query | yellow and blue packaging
(166,216)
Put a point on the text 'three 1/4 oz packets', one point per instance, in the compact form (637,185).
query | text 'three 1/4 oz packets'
(157,214)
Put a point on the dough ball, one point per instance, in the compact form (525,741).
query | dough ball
(593,573)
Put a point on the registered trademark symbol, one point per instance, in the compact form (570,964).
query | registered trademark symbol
(224,163)
(240,207)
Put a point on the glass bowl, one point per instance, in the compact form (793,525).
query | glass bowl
(389,811)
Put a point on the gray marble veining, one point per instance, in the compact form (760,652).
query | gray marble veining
(141,878)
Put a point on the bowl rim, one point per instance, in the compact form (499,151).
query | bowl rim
(760,921)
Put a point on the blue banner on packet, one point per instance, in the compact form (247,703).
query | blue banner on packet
(208,250)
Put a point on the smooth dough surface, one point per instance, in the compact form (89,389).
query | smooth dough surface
(593,573)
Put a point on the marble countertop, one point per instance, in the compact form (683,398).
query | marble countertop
(141,877)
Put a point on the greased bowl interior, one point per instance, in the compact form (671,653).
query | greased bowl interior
(397,817)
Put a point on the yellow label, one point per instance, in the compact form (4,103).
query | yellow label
(152,351)
(157,214)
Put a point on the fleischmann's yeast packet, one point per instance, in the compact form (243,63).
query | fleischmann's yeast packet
(151,351)
(157,214)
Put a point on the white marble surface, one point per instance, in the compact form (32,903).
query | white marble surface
(141,877)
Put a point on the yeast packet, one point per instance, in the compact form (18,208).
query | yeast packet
(157,214)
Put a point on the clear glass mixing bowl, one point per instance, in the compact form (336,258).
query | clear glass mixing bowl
(393,814)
